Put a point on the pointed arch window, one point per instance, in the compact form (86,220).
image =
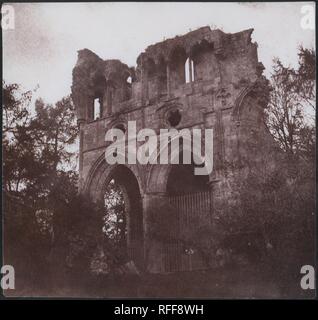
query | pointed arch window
(97,109)
(189,70)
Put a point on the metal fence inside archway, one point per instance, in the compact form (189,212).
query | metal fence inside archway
(193,218)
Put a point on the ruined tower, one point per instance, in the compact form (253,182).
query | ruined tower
(203,79)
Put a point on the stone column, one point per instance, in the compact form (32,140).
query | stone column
(89,106)
(104,107)
(190,70)
(81,124)
(152,247)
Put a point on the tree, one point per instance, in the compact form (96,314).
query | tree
(54,130)
(293,91)
(16,116)
(115,229)
(15,105)
(37,148)
(39,181)
(269,223)
(305,80)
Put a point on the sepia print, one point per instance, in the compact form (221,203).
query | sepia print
(159,150)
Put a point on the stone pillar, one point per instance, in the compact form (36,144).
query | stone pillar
(152,247)
(81,124)
(80,101)
(89,106)
(104,106)
(213,119)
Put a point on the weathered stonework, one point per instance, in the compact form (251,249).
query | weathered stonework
(227,93)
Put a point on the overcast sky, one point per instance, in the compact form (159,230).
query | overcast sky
(42,49)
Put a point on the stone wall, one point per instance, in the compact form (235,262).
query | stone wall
(227,92)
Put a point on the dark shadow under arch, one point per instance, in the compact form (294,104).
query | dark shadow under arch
(181,180)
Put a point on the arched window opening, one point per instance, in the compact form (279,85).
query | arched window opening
(129,80)
(114,220)
(121,127)
(97,109)
(189,70)
(122,225)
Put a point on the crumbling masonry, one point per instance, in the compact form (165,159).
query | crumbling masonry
(203,79)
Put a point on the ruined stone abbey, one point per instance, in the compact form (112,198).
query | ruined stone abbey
(203,79)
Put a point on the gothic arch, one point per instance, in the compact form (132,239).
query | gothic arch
(258,92)
(157,181)
(237,110)
(127,179)
(101,173)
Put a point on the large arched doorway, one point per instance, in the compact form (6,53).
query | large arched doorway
(123,219)
(190,198)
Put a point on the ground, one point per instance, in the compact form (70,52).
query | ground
(225,283)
